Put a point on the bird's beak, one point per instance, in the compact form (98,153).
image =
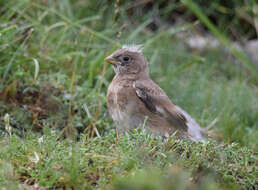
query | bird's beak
(111,60)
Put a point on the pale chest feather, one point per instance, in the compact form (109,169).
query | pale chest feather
(117,102)
(118,94)
(121,105)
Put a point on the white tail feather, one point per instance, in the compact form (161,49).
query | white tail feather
(194,130)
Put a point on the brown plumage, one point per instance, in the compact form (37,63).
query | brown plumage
(134,99)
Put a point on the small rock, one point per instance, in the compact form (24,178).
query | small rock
(251,48)
(200,42)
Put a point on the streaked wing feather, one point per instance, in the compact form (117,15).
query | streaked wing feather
(157,102)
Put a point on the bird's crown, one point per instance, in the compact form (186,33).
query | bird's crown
(133,48)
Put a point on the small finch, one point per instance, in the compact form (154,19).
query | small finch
(134,100)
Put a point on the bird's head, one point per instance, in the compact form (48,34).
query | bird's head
(128,61)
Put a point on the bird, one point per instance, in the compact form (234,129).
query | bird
(134,100)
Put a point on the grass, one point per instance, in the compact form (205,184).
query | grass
(101,163)
(53,85)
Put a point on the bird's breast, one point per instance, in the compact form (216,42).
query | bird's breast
(116,98)
(122,104)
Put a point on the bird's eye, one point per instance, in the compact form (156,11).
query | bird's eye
(126,58)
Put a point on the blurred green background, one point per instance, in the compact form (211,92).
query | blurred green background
(52,76)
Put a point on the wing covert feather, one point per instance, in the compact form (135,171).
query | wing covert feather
(155,99)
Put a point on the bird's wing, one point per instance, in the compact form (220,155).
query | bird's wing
(157,102)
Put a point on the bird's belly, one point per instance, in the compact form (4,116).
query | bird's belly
(125,119)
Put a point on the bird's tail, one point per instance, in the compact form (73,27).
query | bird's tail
(195,132)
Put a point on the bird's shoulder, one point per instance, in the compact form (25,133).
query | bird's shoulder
(150,87)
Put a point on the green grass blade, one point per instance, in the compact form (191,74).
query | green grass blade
(205,20)
(36,63)
(139,29)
